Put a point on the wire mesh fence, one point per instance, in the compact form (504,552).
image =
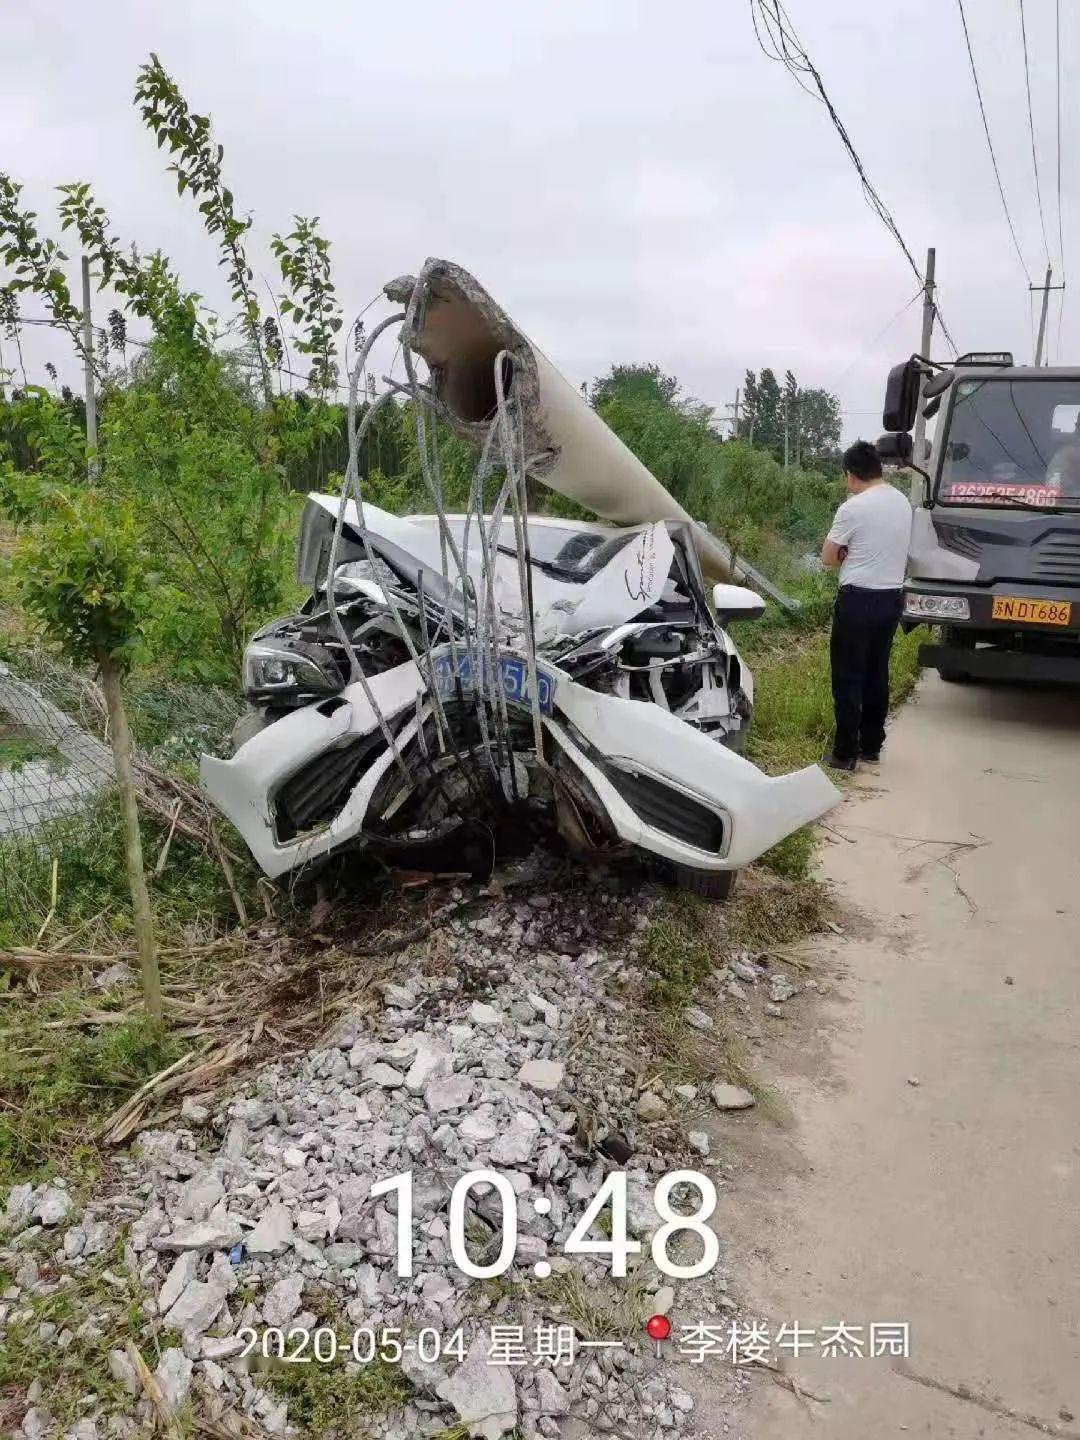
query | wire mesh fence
(60,836)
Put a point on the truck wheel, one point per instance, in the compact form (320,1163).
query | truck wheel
(711,884)
(958,640)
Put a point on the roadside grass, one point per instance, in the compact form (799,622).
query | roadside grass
(677,956)
(92,911)
(610,1310)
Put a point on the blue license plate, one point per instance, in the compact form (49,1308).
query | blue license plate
(513,676)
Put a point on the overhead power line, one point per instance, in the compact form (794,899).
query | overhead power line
(778,41)
(1057,43)
(1031,131)
(870,344)
(990,143)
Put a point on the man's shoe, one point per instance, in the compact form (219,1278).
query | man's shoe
(833,762)
(873,758)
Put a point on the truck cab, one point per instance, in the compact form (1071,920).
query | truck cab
(994,562)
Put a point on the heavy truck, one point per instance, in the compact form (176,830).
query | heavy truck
(994,563)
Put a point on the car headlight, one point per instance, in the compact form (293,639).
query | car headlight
(267,667)
(936,607)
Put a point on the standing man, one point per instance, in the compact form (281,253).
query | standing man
(869,543)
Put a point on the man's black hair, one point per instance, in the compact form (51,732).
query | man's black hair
(862,461)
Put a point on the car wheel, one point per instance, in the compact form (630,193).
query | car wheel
(955,677)
(247,726)
(711,884)
(737,740)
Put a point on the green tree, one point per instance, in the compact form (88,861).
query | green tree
(789,418)
(192,435)
(80,574)
(671,435)
(762,421)
(820,424)
(311,301)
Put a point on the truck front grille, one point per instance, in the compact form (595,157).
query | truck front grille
(959,540)
(1058,559)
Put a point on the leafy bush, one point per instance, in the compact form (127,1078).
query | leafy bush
(80,574)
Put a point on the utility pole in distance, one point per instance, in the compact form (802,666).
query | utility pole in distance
(928,312)
(88,362)
(1045,287)
(734,416)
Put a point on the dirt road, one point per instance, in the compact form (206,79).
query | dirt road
(933,1175)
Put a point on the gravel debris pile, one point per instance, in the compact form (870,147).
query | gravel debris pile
(510,1051)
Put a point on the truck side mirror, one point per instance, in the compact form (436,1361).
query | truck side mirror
(902,396)
(896,448)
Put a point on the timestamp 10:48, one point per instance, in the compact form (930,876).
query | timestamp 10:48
(612,1197)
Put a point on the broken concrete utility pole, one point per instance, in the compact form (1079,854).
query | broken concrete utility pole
(460,331)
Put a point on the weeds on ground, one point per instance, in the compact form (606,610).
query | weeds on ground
(102,1316)
(58,1084)
(610,1310)
(792,858)
(327,1400)
(771,911)
(905,669)
(677,955)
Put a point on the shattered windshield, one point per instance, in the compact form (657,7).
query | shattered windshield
(562,551)
(572,554)
(1013,442)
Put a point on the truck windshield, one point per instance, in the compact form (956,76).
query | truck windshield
(1013,442)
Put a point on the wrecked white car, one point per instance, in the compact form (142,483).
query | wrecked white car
(456,680)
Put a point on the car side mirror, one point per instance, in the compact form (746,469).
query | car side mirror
(737,602)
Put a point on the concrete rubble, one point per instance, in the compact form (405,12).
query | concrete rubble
(262,1215)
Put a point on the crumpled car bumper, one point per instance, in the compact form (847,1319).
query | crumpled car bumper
(655,775)
(664,786)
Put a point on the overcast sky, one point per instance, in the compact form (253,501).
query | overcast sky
(632,181)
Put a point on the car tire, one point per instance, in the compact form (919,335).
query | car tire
(736,741)
(710,884)
(955,677)
(247,726)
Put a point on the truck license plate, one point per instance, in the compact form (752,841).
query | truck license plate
(1016,611)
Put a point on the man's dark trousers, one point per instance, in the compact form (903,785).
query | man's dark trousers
(864,623)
